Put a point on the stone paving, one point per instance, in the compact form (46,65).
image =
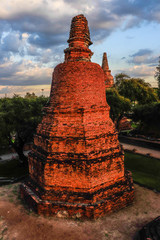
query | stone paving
(142,150)
(10,156)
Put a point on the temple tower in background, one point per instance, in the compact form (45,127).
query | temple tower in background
(107,73)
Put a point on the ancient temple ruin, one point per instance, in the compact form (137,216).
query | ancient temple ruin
(76,166)
(107,72)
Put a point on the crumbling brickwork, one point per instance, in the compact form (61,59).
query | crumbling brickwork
(76,165)
(109,82)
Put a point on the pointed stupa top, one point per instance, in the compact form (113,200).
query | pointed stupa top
(105,66)
(79,31)
(107,72)
(79,40)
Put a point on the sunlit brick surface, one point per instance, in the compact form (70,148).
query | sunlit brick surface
(76,165)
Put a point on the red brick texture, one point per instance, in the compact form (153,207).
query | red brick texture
(107,73)
(76,165)
(125,124)
(79,41)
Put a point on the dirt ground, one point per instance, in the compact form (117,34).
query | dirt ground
(18,223)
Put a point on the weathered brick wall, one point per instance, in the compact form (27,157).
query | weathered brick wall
(81,131)
(79,41)
(78,85)
(76,164)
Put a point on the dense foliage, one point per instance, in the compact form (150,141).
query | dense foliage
(128,96)
(148,117)
(119,78)
(119,105)
(19,118)
(137,90)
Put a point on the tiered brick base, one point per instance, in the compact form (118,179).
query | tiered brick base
(108,198)
(76,165)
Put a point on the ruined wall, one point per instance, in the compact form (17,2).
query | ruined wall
(76,164)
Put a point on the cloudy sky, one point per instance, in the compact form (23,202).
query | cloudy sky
(34,33)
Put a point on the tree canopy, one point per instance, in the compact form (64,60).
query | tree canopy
(136,89)
(119,105)
(30,95)
(148,116)
(120,77)
(19,118)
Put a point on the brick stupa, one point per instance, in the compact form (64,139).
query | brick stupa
(76,166)
(107,72)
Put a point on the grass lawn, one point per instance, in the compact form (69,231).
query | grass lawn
(11,169)
(145,170)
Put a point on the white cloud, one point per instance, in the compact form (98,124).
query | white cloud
(32,34)
(24,73)
(9,91)
(141,71)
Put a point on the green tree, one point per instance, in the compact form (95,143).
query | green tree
(119,105)
(19,118)
(148,117)
(137,90)
(30,95)
(120,77)
(157,76)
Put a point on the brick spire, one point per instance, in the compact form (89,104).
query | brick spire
(105,66)
(79,41)
(76,166)
(108,76)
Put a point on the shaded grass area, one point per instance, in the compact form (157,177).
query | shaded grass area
(12,169)
(145,170)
